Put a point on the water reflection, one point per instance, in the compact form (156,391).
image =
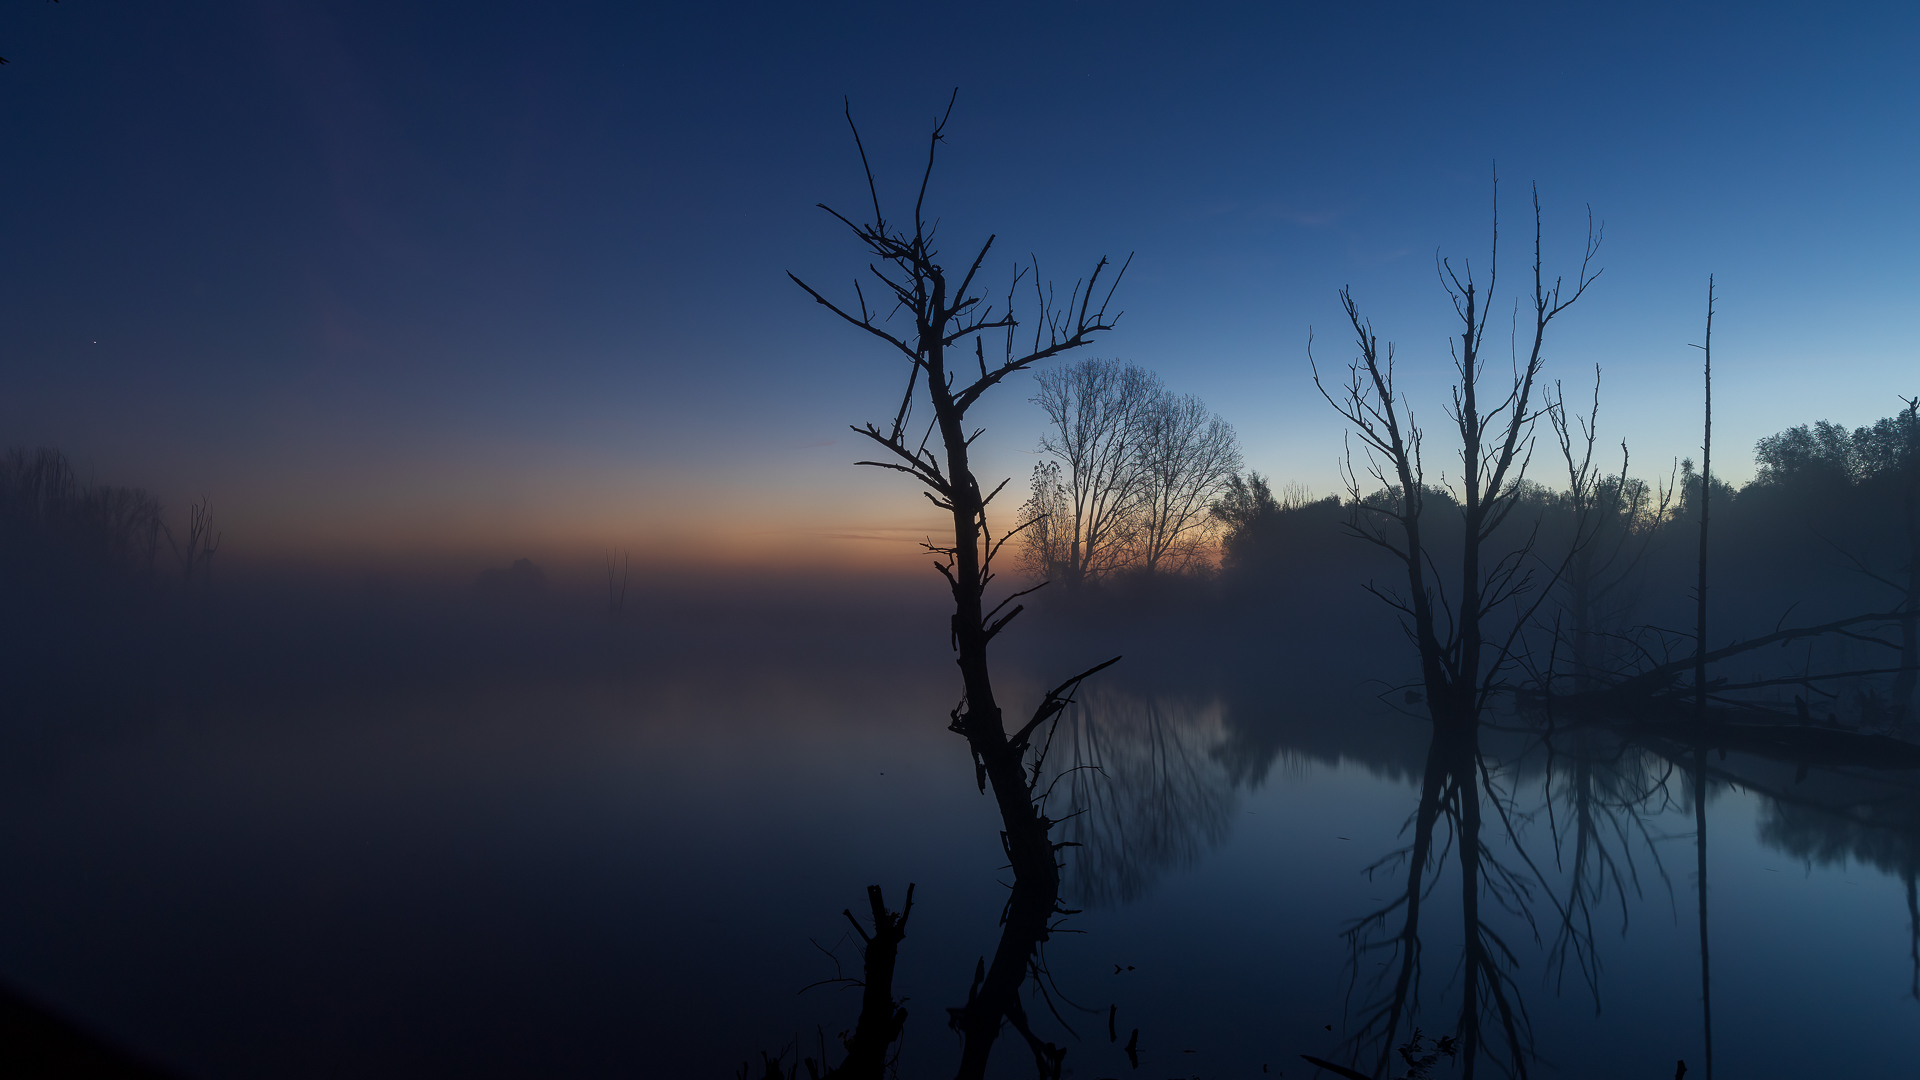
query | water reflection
(1387,949)
(1827,801)
(414,851)
(1528,854)
(1533,847)
(1603,796)
(994,993)
(1148,788)
(1842,816)
(1700,896)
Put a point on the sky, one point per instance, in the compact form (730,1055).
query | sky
(483,280)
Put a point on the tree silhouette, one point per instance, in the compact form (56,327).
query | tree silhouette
(1449,626)
(942,311)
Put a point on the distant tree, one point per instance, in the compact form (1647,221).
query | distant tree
(1048,518)
(1134,473)
(50,518)
(1266,538)
(1188,456)
(1096,413)
(196,554)
(1821,454)
(1246,509)
(1849,486)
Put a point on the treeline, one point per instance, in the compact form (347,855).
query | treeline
(57,529)
(1828,528)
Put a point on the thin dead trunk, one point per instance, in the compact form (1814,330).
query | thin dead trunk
(1706,494)
(1903,685)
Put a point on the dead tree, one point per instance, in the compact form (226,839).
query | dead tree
(1623,519)
(1893,458)
(942,312)
(617,581)
(196,555)
(1706,493)
(1459,664)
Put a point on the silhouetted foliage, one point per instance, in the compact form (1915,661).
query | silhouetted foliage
(1263,536)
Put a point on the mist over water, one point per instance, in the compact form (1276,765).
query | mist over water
(468,832)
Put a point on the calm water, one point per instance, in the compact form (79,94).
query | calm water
(632,868)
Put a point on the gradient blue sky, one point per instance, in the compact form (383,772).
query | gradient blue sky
(490,279)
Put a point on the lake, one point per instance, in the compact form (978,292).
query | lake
(626,852)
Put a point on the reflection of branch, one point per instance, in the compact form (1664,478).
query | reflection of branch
(1147,788)
(1601,790)
(1404,999)
(1451,795)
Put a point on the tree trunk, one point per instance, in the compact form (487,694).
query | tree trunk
(1903,684)
(1706,493)
(881,1017)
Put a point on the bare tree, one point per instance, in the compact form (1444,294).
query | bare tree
(196,555)
(617,581)
(1097,411)
(1187,456)
(1134,474)
(942,311)
(45,507)
(1700,590)
(1623,517)
(1496,443)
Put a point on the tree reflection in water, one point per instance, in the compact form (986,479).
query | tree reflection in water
(1144,779)
(1385,963)
(1602,793)
(1838,817)
(1521,830)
